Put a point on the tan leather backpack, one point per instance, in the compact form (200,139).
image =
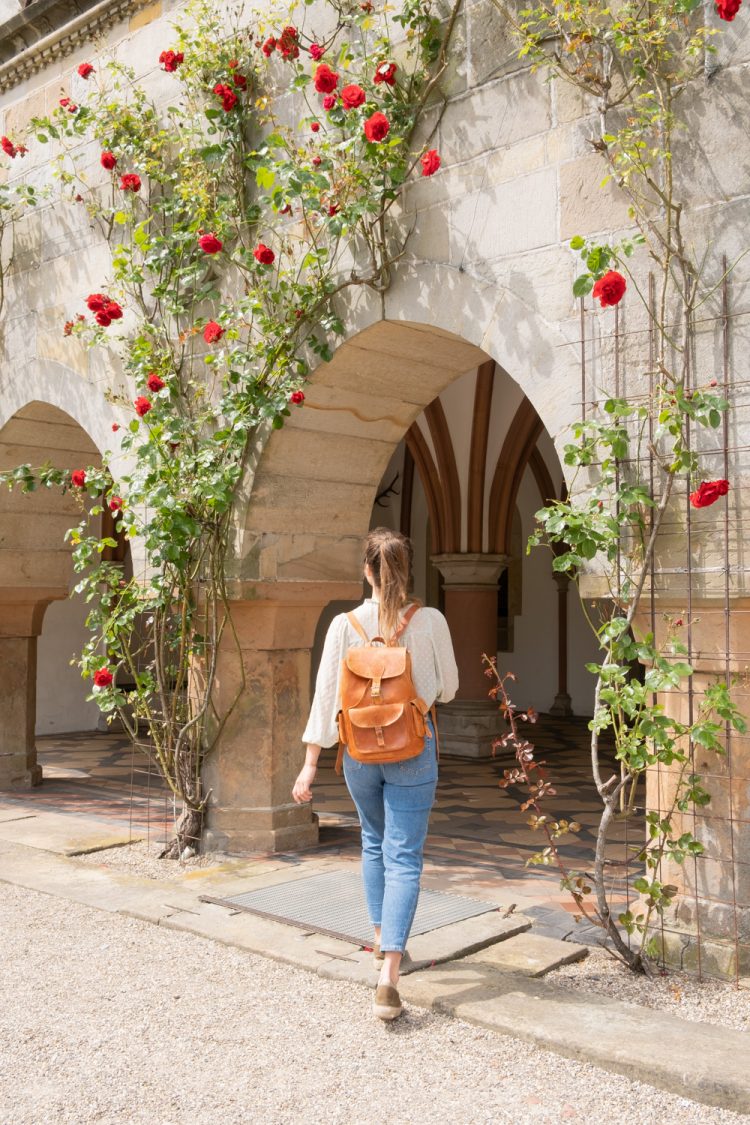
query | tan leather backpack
(382,719)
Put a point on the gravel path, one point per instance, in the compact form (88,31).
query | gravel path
(707,1001)
(107,1019)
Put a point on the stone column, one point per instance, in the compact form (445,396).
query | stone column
(21,615)
(469,724)
(259,752)
(709,922)
(562,705)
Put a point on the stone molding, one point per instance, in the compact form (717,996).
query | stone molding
(470,570)
(59,42)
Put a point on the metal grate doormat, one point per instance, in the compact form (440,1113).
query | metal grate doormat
(333,903)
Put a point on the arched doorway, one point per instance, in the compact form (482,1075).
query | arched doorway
(35,572)
(298,549)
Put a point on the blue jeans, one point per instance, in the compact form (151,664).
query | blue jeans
(393,801)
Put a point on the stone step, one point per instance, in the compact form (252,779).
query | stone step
(530,954)
(460,939)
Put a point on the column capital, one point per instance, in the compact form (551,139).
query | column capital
(470,570)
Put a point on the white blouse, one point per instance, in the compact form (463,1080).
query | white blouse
(426,637)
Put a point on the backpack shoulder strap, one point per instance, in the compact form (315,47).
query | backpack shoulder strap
(357,627)
(404,622)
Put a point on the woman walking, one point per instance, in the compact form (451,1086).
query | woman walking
(393,799)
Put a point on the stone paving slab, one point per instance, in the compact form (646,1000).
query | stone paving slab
(706,1063)
(530,954)
(463,938)
(65,834)
(700,1061)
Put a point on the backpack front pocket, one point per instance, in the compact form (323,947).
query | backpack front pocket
(385,731)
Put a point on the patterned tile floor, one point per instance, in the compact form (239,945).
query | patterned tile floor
(98,775)
(479,840)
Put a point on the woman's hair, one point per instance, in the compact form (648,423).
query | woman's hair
(389,556)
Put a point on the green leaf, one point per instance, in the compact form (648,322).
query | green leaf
(577,243)
(120,218)
(265,178)
(583,285)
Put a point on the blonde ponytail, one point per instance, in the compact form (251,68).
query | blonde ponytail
(389,556)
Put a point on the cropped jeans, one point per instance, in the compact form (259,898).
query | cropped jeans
(394,802)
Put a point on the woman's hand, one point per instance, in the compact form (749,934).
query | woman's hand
(302,790)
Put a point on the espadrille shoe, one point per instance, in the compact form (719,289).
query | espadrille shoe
(387,1003)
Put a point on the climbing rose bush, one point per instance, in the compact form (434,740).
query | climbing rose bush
(235,242)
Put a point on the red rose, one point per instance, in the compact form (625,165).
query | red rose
(113,310)
(610,289)
(264,254)
(334,209)
(286,209)
(352,97)
(269,47)
(78,478)
(240,81)
(130,182)
(103,677)
(316,161)
(115,504)
(85,69)
(142,406)
(430,162)
(210,244)
(708,493)
(170,60)
(326,80)
(67,328)
(96,301)
(213,332)
(102,319)
(154,383)
(727,9)
(386,72)
(227,95)
(315,127)
(115,427)
(376,127)
(329,101)
(8,147)
(108,160)
(288,43)
(316,52)
(297,397)
(66,103)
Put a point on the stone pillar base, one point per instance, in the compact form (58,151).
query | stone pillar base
(706,952)
(467,728)
(244,831)
(562,707)
(25,778)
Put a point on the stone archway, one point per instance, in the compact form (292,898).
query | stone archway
(298,545)
(35,569)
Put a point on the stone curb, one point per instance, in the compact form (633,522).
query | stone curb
(706,1063)
(703,1062)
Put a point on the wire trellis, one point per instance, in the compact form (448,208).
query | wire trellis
(703,930)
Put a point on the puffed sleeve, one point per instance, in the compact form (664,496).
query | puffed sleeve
(446,671)
(322,729)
